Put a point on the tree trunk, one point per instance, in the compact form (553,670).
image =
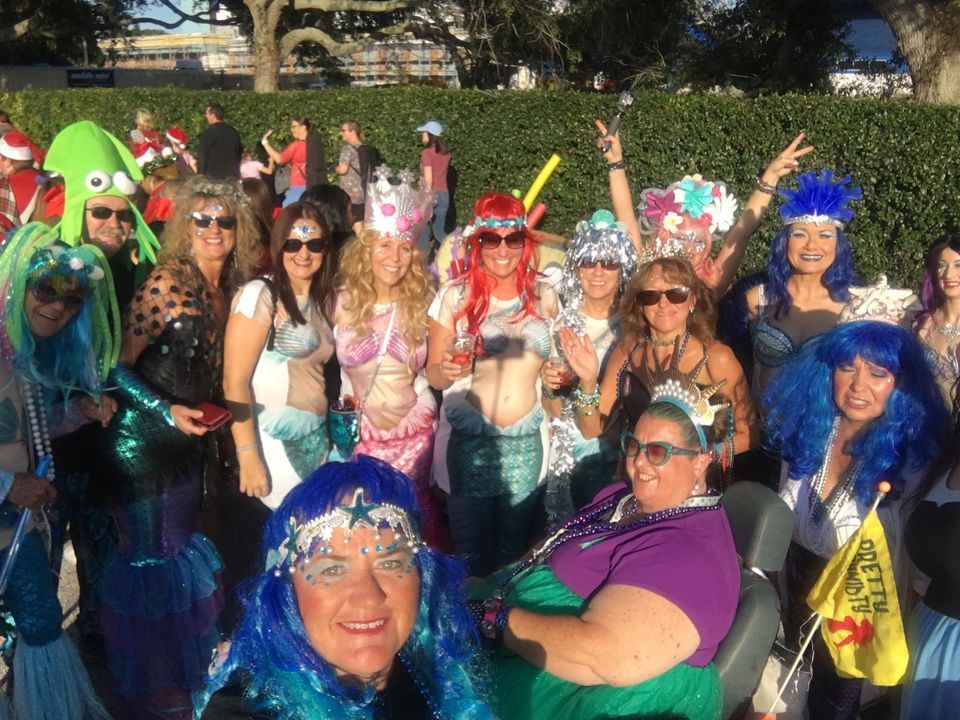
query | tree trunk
(929,37)
(266,48)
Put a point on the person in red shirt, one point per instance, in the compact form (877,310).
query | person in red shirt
(17,155)
(295,154)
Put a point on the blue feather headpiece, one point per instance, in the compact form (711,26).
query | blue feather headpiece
(820,200)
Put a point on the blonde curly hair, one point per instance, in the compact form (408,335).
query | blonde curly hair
(355,280)
(177,238)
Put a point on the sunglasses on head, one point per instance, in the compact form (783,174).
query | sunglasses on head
(675,295)
(491,240)
(658,453)
(102,212)
(588,265)
(45,294)
(224,222)
(314,245)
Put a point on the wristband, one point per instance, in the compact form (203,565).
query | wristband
(244,448)
(548,393)
(766,187)
(618,165)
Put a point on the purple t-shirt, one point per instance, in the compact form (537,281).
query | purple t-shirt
(690,561)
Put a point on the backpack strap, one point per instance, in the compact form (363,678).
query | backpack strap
(272,288)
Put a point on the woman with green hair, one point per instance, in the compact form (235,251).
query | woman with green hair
(56,343)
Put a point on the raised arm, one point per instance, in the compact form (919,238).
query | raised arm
(271,152)
(735,244)
(620,196)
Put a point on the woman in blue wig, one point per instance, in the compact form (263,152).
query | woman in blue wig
(354,615)
(855,407)
(56,341)
(809,272)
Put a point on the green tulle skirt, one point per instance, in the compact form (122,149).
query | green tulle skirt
(522,691)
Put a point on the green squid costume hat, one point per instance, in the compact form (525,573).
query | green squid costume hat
(93,162)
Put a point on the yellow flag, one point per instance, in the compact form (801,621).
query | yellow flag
(857,598)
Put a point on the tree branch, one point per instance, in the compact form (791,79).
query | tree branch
(182,17)
(334,47)
(355,5)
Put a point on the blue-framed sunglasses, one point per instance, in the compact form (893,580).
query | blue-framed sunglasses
(658,453)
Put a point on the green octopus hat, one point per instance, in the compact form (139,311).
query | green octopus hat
(93,162)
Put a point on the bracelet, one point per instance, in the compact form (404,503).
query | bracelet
(548,393)
(494,622)
(766,187)
(620,164)
(244,448)
(588,410)
(582,400)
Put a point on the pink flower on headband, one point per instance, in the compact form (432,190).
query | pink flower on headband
(416,215)
(403,223)
(659,206)
(388,209)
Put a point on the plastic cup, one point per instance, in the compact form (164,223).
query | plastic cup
(462,346)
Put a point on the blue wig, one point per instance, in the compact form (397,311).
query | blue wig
(817,196)
(801,409)
(272,655)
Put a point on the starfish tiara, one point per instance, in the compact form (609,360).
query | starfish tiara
(302,538)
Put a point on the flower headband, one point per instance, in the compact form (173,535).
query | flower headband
(703,200)
(61,264)
(228,189)
(302,538)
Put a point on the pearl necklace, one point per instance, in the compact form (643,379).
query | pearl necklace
(37,420)
(820,510)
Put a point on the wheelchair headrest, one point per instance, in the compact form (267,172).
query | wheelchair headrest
(761,523)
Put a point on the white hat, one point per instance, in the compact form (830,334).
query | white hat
(16,146)
(432,127)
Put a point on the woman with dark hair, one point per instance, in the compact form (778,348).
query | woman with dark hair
(938,325)
(262,207)
(855,407)
(489,335)
(333,202)
(278,340)
(666,310)
(435,160)
(294,154)
(354,616)
(161,591)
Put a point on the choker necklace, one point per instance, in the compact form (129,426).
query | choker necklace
(949,331)
(662,343)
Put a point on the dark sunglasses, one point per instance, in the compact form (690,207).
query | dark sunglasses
(102,212)
(314,245)
(46,294)
(224,222)
(491,241)
(658,453)
(586,265)
(675,295)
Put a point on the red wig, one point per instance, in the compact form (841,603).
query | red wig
(497,211)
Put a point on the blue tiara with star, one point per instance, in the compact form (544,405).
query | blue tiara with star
(302,538)
(820,199)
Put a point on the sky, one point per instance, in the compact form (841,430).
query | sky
(162,13)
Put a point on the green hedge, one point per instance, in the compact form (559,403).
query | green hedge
(905,155)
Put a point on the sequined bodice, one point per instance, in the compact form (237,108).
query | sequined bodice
(184,357)
(772,347)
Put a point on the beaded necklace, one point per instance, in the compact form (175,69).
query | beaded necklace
(421,686)
(590,523)
(820,510)
(37,420)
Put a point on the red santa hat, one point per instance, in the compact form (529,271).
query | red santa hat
(177,137)
(16,146)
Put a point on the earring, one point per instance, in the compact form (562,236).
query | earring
(696,486)
(692,308)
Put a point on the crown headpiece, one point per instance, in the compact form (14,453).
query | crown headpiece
(599,239)
(302,538)
(819,199)
(394,207)
(671,385)
(880,303)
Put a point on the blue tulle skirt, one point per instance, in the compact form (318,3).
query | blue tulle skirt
(932,691)
(159,617)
